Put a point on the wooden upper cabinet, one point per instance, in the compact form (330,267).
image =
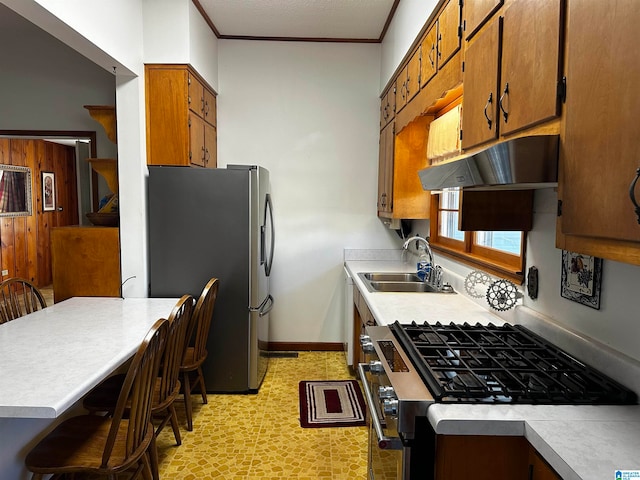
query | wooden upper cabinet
(449,32)
(210,107)
(476,13)
(531,64)
(388,106)
(524,57)
(441,42)
(601,151)
(181,117)
(413,75)
(408,81)
(429,48)
(479,107)
(385,170)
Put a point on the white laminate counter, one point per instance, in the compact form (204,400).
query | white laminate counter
(579,442)
(51,358)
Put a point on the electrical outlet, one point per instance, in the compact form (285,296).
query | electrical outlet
(5,272)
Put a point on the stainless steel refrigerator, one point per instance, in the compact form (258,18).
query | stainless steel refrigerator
(207,223)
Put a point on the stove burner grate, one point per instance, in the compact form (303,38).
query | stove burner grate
(502,364)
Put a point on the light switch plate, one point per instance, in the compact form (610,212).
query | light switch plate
(5,272)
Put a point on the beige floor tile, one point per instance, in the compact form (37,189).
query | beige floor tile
(259,436)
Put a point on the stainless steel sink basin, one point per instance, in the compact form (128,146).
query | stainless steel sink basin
(391,277)
(399,282)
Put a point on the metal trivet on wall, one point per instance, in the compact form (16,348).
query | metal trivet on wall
(501,294)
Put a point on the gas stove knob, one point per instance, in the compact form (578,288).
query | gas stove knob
(375,366)
(390,406)
(386,392)
(367,347)
(365,339)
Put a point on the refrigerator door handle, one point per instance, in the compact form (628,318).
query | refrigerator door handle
(269,208)
(265,307)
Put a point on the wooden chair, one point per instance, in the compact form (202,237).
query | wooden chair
(108,446)
(167,386)
(18,297)
(197,350)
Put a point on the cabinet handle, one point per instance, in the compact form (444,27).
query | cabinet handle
(632,194)
(504,93)
(433,47)
(206,109)
(383,200)
(408,81)
(202,103)
(439,49)
(489,102)
(204,154)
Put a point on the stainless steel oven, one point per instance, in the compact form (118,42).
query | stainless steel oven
(395,401)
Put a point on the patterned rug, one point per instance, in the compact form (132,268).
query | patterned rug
(331,403)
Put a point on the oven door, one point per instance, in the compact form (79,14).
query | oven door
(388,459)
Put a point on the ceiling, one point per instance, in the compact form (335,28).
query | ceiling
(301,20)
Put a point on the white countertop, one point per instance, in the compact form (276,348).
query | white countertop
(579,442)
(51,358)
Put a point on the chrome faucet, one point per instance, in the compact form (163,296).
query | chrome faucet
(419,239)
(434,272)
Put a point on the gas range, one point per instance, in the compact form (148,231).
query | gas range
(412,366)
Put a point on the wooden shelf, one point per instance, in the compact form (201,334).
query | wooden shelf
(106,116)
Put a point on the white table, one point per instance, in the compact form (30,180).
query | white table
(51,358)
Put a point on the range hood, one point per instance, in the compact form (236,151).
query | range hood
(526,162)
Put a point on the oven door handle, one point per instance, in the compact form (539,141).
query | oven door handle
(384,442)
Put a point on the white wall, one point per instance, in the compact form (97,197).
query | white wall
(44,84)
(309,113)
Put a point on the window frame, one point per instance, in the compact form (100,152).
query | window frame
(497,262)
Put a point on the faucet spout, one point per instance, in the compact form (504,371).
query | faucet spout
(419,239)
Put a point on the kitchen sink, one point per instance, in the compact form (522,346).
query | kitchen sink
(400,282)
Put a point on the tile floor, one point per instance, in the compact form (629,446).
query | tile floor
(259,436)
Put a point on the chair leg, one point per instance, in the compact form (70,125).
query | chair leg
(153,459)
(147,472)
(174,424)
(203,388)
(187,401)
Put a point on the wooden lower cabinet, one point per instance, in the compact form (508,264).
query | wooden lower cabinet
(489,458)
(362,318)
(85,262)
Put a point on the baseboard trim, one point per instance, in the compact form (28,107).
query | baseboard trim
(310,346)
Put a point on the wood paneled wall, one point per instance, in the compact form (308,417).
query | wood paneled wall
(26,245)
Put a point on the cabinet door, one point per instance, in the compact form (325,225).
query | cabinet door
(601,151)
(210,146)
(429,47)
(479,104)
(538,468)
(449,32)
(210,110)
(196,96)
(476,13)
(385,170)
(401,89)
(197,151)
(530,64)
(413,75)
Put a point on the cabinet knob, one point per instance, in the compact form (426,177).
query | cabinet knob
(632,194)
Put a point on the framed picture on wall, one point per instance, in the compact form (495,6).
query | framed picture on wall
(581,278)
(48,191)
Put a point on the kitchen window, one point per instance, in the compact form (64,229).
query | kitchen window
(499,252)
